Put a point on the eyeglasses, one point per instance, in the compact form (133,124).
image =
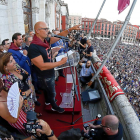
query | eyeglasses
(46,29)
(7,44)
(103,126)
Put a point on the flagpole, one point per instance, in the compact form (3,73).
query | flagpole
(89,34)
(117,39)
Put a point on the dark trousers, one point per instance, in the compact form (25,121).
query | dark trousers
(48,86)
(85,79)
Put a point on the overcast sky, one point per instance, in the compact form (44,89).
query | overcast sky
(90,8)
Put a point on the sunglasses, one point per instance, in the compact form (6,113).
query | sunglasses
(46,29)
(103,126)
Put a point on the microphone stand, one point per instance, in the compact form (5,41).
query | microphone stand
(75,89)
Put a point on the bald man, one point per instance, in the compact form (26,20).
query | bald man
(109,129)
(89,51)
(40,54)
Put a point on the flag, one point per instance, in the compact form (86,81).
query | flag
(122,5)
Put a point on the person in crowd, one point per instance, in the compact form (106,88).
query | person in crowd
(5,114)
(86,72)
(20,55)
(108,129)
(6,44)
(31,33)
(23,39)
(59,43)
(28,40)
(12,73)
(40,55)
(1,47)
(83,41)
(89,51)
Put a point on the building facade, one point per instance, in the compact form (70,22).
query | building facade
(129,34)
(103,28)
(65,16)
(74,20)
(21,15)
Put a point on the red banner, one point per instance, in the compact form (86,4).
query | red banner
(122,5)
(110,85)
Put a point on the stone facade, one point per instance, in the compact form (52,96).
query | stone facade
(15,13)
(129,34)
(74,20)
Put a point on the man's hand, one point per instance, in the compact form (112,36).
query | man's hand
(91,125)
(76,27)
(45,127)
(89,83)
(64,60)
(25,52)
(84,53)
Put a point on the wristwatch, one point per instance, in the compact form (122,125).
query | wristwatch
(52,133)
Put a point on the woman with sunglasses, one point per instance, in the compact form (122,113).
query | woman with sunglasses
(5,114)
(12,73)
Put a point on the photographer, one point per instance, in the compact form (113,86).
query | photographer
(46,130)
(108,129)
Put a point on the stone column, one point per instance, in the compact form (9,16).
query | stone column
(42,10)
(52,15)
(15,17)
(35,11)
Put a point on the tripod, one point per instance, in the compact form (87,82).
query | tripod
(75,91)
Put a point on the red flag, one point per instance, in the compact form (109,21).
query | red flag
(122,5)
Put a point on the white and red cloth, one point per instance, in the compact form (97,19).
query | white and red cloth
(110,85)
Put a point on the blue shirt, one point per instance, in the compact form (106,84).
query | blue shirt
(86,71)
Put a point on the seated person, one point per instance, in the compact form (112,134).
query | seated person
(5,114)
(86,72)
(12,73)
(108,129)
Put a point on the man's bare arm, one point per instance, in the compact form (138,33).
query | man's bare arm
(64,33)
(38,61)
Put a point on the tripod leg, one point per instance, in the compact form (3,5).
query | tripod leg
(77,119)
(63,121)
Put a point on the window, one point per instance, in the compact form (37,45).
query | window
(106,27)
(102,26)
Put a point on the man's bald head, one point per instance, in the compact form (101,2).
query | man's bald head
(39,25)
(41,30)
(111,121)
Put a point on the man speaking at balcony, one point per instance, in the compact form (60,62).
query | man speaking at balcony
(40,54)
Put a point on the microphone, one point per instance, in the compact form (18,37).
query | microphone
(61,37)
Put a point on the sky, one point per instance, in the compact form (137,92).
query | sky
(90,8)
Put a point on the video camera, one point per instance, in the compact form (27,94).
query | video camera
(31,124)
(92,132)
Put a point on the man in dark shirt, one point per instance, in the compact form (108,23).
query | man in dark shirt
(109,129)
(89,51)
(40,54)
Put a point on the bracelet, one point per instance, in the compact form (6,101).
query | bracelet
(31,90)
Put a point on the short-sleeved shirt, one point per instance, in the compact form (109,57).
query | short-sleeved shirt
(89,49)
(35,51)
(85,71)
(101,135)
(83,41)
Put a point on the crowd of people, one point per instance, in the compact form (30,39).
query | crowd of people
(29,60)
(124,65)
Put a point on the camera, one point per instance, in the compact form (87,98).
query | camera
(31,124)
(91,133)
